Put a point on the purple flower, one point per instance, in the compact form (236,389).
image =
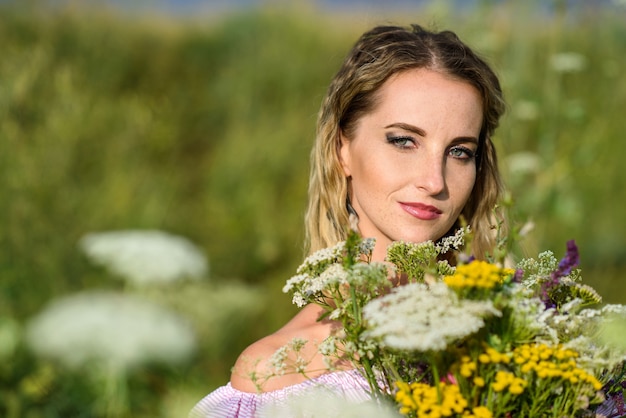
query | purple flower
(568,262)
(565,267)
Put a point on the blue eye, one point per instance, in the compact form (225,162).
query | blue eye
(461,153)
(402,142)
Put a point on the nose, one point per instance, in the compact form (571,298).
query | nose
(431,175)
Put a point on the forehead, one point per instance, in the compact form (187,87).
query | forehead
(423,93)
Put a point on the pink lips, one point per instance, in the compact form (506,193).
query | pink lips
(421,211)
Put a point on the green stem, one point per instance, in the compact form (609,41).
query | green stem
(435,371)
(355,308)
(371,378)
(114,399)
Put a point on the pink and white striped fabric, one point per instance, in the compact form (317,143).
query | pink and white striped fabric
(227,402)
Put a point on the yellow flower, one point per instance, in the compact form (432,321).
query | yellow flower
(477,274)
(425,402)
(508,380)
(467,368)
(517,387)
(503,379)
(553,363)
(479,412)
(484,358)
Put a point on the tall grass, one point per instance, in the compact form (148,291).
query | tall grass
(203,129)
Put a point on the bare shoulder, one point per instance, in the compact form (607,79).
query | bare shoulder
(254,364)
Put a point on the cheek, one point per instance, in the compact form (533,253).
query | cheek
(371,185)
(460,181)
(376,173)
(464,185)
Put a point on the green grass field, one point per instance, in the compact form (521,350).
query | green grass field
(202,127)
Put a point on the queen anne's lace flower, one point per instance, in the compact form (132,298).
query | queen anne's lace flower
(614,309)
(108,328)
(424,318)
(145,257)
(320,402)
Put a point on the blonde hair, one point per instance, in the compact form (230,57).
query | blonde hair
(376,56)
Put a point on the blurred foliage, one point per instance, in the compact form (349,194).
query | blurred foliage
(203,128)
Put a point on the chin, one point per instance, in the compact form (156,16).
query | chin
(416,239)
(421,237)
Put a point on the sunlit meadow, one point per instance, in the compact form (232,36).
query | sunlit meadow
(194,134)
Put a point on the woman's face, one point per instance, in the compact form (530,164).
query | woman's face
(411,161)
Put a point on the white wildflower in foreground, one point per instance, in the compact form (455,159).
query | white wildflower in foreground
(424,318)
(455,241)
(322,257)
(613,327)
(321,402)
(313,285)
(528,316)
(145,257)
(108,328)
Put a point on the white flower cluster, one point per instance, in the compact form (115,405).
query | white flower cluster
(613,309)
(529,315)
(415,260)
(453,242)
(537,270)
(322,258)
(424,318)
(613,328)
(110,329)
(321,402)
(367,246)
(278,360)
(324,271)
(289,355)
(581,330)
(312,286)
(328,349)
(145,257)
(319,260)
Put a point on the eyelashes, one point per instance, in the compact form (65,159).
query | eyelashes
(402,142)
(458,152)
(462,153)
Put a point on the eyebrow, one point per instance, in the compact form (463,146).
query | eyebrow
(407,127)
(421,132)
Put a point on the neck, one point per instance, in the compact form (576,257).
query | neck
(380,250)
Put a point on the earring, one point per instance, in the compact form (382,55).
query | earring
(354,217)
(350,209)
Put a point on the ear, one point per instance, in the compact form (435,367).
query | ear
(344,154)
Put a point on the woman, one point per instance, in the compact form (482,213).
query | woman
(403,142)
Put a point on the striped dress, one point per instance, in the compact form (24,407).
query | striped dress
(227,402)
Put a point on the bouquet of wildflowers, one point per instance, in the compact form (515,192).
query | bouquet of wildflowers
(470,338)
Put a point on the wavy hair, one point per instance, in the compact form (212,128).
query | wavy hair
(377,55)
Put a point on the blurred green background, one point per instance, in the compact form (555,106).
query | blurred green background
(201,126)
